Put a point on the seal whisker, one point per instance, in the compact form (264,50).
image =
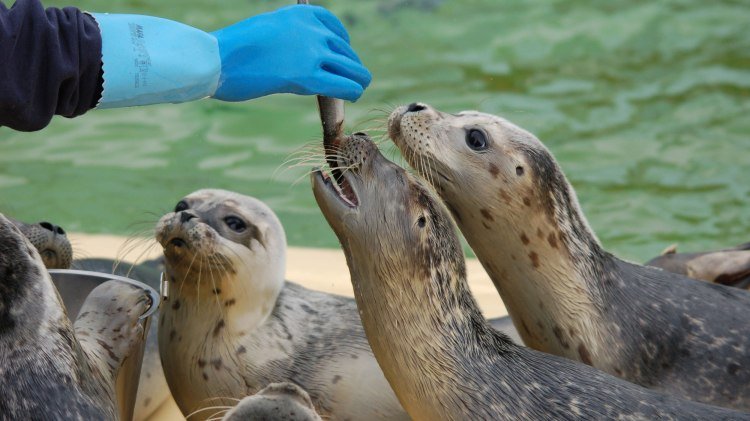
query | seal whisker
(208,408)
(130,244)
(187,272)
(214,258)
(145,252)
(229,398)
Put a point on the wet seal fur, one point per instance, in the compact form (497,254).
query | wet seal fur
(50,241)
(48,370)
(442,358)
(231,324)
(729,266)
(567,295)
(277,401)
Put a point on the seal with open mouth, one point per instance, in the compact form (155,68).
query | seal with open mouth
(442,358)
(231,323)
(46,370)
(566,294)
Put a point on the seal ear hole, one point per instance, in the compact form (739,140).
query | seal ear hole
(422,221)
(235,224)
(181,206)
(519,170)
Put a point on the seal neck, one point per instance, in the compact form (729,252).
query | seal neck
(420,325)
(544,261)
(239,299)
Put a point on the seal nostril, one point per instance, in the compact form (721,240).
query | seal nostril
(47,226)
(186,216)
(59,230)
(414,107)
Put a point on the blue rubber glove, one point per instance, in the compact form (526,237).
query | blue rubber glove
(297,49)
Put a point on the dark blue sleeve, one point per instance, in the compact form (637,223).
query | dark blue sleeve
(50,63)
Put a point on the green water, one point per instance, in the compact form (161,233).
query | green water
(645,104)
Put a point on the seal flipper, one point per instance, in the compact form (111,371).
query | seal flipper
(107,325)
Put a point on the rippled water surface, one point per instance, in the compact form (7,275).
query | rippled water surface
(646,105)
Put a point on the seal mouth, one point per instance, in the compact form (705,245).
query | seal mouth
(338,184)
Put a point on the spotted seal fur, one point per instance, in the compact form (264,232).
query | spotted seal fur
(442,358)
(49,370)
(566,294)
(232,325)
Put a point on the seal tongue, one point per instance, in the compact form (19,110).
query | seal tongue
(342,187)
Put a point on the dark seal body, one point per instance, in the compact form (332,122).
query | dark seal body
(729,266)
(442,358)
(566,294)
(46,372)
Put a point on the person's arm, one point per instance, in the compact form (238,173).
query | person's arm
(50,63)
(296,49)
(66,62)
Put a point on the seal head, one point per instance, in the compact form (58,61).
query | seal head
(285,401)
(50,240)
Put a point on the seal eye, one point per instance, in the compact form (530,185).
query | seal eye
(519,170)
(235,224)
(181,206)
(476,140)
(422,221)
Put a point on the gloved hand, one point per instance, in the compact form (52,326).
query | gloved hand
(296,49)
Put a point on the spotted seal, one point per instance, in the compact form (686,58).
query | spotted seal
(729,266)
(231,324)
(50,240)
(277,401)
(49,370)
(566,294)
(442,358)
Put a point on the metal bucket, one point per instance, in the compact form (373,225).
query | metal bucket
(74,286)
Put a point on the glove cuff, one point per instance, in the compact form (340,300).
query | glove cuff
(150,60)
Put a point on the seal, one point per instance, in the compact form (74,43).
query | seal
(231,324)
(51,242)
(729,266)
(153,391)
(49,370)
(566,295)
(442,358)
(277,401)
